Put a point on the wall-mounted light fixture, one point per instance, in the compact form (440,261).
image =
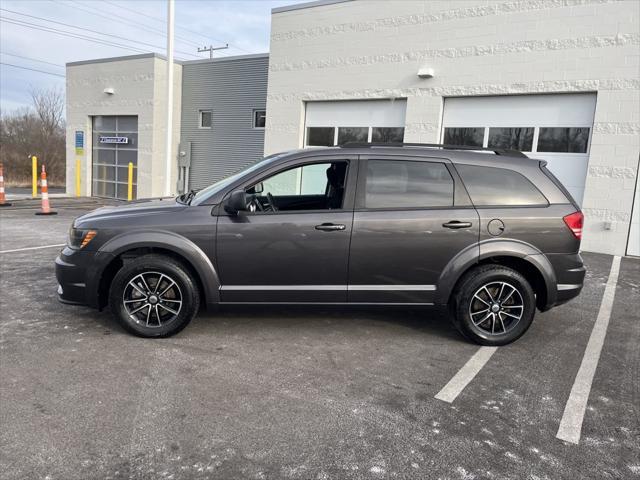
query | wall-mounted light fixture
(109,91)
(425,72)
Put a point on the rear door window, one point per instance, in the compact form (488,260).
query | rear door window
(490,186)
(407,184)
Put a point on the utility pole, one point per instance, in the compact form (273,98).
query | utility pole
(211,49)
(169,144)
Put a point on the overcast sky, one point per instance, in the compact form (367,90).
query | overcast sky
(243,24)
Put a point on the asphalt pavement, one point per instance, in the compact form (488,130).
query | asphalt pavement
(302,393)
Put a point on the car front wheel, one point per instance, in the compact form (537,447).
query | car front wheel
(154,296)
(493,305)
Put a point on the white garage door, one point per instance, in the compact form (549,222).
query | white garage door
(633,246)
(556,128)
(336,123)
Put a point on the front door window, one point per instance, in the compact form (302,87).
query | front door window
(318,186)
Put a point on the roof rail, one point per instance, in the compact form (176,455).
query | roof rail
(497,151)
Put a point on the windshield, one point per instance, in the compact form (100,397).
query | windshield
(221,184)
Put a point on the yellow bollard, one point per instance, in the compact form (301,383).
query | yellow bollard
(130,183)
(34,174)
(78,168)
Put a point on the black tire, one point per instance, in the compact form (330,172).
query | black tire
(162,314)
(481,288)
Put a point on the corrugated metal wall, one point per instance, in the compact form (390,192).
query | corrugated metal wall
(232,89)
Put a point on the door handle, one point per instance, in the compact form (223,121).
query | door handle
(330,227)
(455,224)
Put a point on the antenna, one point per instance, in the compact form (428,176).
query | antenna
(211,48)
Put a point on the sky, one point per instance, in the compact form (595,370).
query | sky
(136,26)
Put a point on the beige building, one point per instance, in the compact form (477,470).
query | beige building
(116,114)
(120,100)
(556,79)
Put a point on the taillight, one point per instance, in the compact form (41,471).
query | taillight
(574,221)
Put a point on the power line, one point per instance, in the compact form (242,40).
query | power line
(70,34)
(32,59)
(32,69)
(64,33)
(145,27)
(161,20)
(90,30)
(179,26)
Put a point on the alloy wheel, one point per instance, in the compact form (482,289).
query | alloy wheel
(152,299)
(496,308)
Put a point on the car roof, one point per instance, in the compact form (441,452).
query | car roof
(510,159)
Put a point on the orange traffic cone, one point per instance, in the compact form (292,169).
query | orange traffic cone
(3,200)
(46,209)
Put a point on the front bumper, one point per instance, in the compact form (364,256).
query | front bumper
(71,273)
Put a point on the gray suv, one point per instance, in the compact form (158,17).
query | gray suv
(488,235)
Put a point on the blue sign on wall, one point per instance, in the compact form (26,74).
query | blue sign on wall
(79,142)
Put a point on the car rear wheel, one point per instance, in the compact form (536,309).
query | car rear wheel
(154,296)
(493,305)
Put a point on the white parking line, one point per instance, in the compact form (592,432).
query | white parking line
(571,423)
(32,248)
(461,379)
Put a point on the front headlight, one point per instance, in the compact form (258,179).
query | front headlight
(80,238)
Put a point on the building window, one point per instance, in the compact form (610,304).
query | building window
(206,119)
(352,134)
(259,118)
(331,136)
(320,136)
(387,134)
(516,138)
(467,137)
(568,140)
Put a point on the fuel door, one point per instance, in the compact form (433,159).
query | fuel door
(495,227)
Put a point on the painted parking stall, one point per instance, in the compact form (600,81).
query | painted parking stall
(362,393)
(572,418)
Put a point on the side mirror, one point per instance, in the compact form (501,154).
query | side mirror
(236,202)
(258,188)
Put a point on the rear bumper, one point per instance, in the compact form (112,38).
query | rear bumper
(567,291)
(570,273)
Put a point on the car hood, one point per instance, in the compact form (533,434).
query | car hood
(131,209)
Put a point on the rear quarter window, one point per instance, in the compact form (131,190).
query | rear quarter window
(491,186)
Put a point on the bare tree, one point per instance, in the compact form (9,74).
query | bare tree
(49,106)
(39,131)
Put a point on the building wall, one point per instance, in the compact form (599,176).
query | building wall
(139,83)
(232,88)
(367,49)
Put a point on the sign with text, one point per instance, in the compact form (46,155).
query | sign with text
(79,142)
(119,140)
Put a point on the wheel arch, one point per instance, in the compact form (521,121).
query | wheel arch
(520,256)
(114,253)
